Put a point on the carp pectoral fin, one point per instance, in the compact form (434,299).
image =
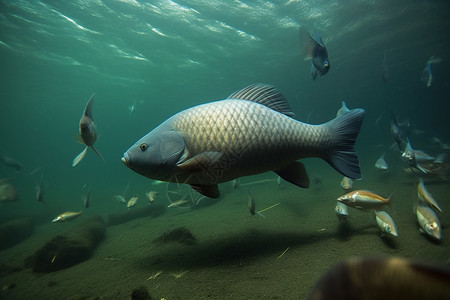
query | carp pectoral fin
(296,174)
(211,191)
(201,161)
(79,157)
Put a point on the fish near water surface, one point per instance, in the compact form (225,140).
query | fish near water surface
(88,132)
(314,49)
(248,133)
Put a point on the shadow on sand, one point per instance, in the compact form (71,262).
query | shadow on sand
(234,249)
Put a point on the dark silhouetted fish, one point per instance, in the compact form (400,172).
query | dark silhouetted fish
(248,133)
(251,204)
(40,190)
(87,199)
(373,278)
(88,132)
(11,162)
(314,49)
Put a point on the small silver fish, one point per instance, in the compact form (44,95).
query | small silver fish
(428,221)
(132,107)
(386,223)
(67,216)
(426,196)
(235,183)
(341,210)
(120,199)
(88,132)
(397,132)
(251,204)
(180,203)
(132,202)
(346,183)
(410,157)
(381,164)
(40,190)
(151,196)
(87,199)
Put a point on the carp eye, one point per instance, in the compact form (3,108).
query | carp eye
(143,146)
(326,63)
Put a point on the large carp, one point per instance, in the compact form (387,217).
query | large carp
(250,132)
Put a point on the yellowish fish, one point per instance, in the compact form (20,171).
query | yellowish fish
(132,202)
(423,194)
(151,196)
(386,223)
(67,216)
(346,183)
(179,203)
(364,200)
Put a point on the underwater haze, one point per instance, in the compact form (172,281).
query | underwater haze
(148,60)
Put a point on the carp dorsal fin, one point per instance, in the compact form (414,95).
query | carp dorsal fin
(266,95)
